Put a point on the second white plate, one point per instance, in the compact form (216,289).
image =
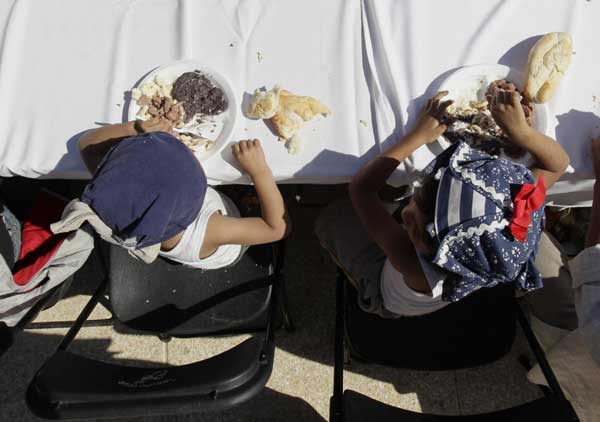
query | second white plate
(470,83)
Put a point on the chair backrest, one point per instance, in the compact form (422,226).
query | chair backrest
(165,297)
(476,330)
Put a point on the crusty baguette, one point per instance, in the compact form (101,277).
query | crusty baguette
(548,60)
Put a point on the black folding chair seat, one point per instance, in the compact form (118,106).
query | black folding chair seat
(169,300)
(185,301)
(360,408)
(477,330)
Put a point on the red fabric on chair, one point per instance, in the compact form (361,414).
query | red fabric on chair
(38,243)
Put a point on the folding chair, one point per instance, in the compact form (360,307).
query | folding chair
(477,330)
(170,300)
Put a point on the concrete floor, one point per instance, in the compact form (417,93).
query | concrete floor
(301,384)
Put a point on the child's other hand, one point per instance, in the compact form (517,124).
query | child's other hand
(507,112)
(596,156)
(157,124)
(432,123)
(251,157)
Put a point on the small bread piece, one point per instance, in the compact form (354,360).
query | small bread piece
(293,111)
(548,60)
(264,104)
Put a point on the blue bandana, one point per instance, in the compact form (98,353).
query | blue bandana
(147,189)
(472,216)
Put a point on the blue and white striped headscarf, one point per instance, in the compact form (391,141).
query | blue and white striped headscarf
(473,211)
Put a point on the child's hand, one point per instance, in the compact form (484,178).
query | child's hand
(251,157)
(596,156)
(507,111)
(432,123)
(157,124)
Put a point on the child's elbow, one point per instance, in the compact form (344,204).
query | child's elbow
(281,231)
(566,161)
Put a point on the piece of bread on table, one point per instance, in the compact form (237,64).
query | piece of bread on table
(264,104)
(548,60)
(293,111)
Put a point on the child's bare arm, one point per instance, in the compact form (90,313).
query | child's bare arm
(273,225)
(551,158)
(366,184)
(95,143)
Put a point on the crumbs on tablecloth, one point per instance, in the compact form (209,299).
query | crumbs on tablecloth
(259,56)
(364,123)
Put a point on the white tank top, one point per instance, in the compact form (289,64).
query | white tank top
(187,251)
(402,300)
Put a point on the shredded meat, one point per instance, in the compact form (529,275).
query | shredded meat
(164,107)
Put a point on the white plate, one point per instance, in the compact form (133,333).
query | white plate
(225,122)
(471,82)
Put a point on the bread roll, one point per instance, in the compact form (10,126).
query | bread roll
(548,60)
(293,111)
(264,104)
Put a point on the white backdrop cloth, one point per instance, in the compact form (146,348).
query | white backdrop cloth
(412,46)
(65,65)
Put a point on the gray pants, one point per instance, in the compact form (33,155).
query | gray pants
(10,236)
(342,234)
(554,303)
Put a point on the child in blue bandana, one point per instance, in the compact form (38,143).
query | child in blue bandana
(149,194)
(467,226)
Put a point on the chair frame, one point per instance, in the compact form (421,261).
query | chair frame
(336,407)
(275,281)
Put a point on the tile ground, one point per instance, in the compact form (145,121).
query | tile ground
(301,383)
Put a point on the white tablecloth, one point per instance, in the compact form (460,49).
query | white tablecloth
(413,45)
(65,65)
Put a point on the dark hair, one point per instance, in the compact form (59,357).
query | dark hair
(425,198)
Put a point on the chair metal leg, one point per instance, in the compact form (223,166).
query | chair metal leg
(336,404)
(83,316)
(539,354)
(105,322)
(288,322)
(279,254)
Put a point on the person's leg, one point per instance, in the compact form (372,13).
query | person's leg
(10,236)
(553,303)
(341,233)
